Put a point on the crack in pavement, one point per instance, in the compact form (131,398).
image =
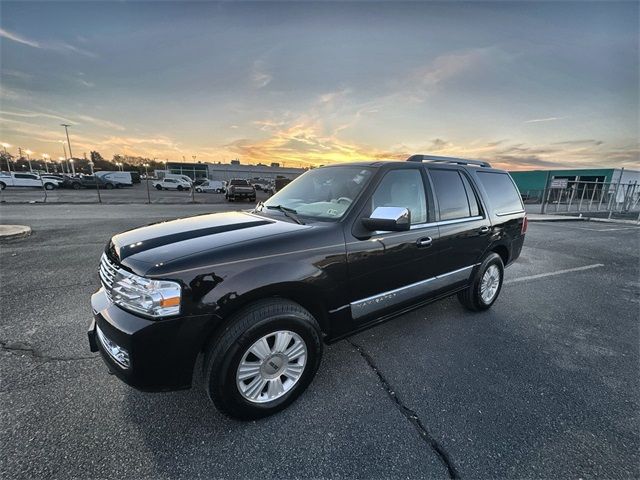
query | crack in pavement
(409,414)
(20,347)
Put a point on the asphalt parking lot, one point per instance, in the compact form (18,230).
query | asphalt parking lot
(545,384)
(136,194)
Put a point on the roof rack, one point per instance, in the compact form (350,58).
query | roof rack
(457,161)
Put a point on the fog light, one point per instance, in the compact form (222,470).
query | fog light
(117,353)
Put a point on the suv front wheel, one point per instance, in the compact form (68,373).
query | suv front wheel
(485,285)
(264,360)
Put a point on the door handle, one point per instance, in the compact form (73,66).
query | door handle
(484,230)
(425,242)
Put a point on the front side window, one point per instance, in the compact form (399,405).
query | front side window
(453,200)
(502,192)
(323,193)
(402,188)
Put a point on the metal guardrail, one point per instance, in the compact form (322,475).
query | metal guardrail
(586,197)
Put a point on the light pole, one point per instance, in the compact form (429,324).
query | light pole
(119,165)
(6,155)
(73,169)
(66,129)
(146,174)
(95,179)
(45,157)
(29,152)
(61,162)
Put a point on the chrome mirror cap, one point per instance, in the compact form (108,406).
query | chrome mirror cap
(392,219)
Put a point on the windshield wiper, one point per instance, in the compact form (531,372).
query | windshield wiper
(288,212)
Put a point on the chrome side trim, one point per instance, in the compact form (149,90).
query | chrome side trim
(419,226)
(369,305)
(460,220)
(503,214)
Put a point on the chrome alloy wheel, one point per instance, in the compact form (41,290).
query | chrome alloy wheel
(271,366)
(489,284)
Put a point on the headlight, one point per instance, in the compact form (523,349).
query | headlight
(155,298)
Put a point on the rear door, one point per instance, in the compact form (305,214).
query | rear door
(464,225)
(390,269)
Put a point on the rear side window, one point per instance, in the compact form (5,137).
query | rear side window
(453,199)
(502,192)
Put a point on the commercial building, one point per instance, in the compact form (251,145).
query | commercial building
(538,180)
(227,171)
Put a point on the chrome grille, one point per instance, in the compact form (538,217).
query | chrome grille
(107,273)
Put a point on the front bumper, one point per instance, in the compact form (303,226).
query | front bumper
(161,353)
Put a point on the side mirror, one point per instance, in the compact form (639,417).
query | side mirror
(388,219)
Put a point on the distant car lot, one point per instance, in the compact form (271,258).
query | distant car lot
(544,384)
(134,194)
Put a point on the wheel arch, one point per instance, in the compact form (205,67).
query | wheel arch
(307,296)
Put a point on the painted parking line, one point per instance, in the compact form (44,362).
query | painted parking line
(631,227)
(552,274)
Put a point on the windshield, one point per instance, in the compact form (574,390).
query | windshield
(242,183)
(323,193)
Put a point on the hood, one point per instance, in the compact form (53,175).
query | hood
(167,241)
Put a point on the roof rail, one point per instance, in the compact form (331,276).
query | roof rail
(436,159)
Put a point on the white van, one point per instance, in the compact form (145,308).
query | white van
(215,186)
(117,179)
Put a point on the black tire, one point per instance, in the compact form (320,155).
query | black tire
(75,186)
(244,328)
(199,190)
(158,187)
(179,188)
(470,298)
(2,186)
(49,186)
(109,186)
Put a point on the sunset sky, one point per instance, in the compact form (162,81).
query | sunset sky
(524,85)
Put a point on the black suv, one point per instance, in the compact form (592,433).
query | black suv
(255,294)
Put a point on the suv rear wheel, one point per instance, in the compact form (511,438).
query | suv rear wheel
(485,285)
(265,358)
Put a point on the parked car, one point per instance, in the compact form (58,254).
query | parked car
(239,189)
(26,179)
(172,184)
(177,176)
(89,181)
(255,295)
(214,186)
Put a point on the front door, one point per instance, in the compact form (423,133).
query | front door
(390,269)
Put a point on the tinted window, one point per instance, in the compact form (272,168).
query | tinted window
(170,180)
(452,197)
(25,175)
(471,197)
(242,183)
(502,192)
(402,188)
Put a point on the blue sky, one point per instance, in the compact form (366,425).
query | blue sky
(524,85)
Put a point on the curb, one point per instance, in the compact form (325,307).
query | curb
(8,232)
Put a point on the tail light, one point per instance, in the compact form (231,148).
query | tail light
(525,224)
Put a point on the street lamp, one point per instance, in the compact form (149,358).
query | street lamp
(61,162)
(46,157)
(146,174)
(73,169)
(29,152)
(119,165)
(66,126)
